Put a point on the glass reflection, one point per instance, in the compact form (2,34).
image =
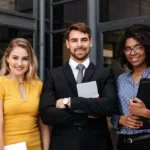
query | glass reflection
(60,52)
(7,34)
(67,13)
(127,8)
(23,6)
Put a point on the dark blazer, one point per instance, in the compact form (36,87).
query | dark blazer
(72,128)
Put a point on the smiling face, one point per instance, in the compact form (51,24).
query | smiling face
(18,61)
(137,59)
(79,45)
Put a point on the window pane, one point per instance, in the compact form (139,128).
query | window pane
(47,9)
(60,52)
(110,53)
(47,51)
(57,1)
(23,6)
(65,14)
(111,10)
(7,34)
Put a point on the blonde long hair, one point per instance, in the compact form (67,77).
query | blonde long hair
(31,73)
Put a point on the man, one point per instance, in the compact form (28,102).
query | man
(78,123)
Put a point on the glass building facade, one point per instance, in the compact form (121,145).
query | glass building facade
(44,22)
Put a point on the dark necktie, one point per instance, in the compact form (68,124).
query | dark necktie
(80,67)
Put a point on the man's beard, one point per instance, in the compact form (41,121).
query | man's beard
(76,56)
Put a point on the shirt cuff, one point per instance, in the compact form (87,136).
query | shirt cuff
(115,122)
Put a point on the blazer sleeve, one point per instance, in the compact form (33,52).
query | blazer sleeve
(115,121)
(51,115)
(102,106)
(118,112)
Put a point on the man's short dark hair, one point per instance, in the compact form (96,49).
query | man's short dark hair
(139,32)
(82,27)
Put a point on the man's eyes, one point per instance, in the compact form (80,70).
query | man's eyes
(74,40)
(83,40)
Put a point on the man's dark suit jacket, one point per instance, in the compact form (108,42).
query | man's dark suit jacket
(72,128)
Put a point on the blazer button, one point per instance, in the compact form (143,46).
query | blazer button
(79,128)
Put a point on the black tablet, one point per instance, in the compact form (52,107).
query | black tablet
(144,95)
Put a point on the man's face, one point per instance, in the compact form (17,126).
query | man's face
(79,45)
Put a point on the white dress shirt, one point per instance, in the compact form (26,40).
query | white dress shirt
(73,64)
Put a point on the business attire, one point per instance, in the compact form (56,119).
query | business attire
(21,115)
(129,138)
(72,129)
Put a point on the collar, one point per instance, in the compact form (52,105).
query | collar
(74,64)
(144,74)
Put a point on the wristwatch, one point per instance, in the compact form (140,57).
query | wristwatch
(66,101)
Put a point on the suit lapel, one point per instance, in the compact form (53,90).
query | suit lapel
(70,77)
(89,72)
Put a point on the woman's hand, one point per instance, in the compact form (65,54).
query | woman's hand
(45,135)
(137,107)
(130,121)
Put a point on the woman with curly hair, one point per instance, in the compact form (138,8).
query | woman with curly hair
(134,50)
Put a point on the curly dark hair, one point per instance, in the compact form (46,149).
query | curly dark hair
(139,32)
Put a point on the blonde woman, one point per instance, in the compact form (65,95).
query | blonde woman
(20,91)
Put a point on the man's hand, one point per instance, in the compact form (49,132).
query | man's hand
(137,107)
(60,104)
(130,121)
